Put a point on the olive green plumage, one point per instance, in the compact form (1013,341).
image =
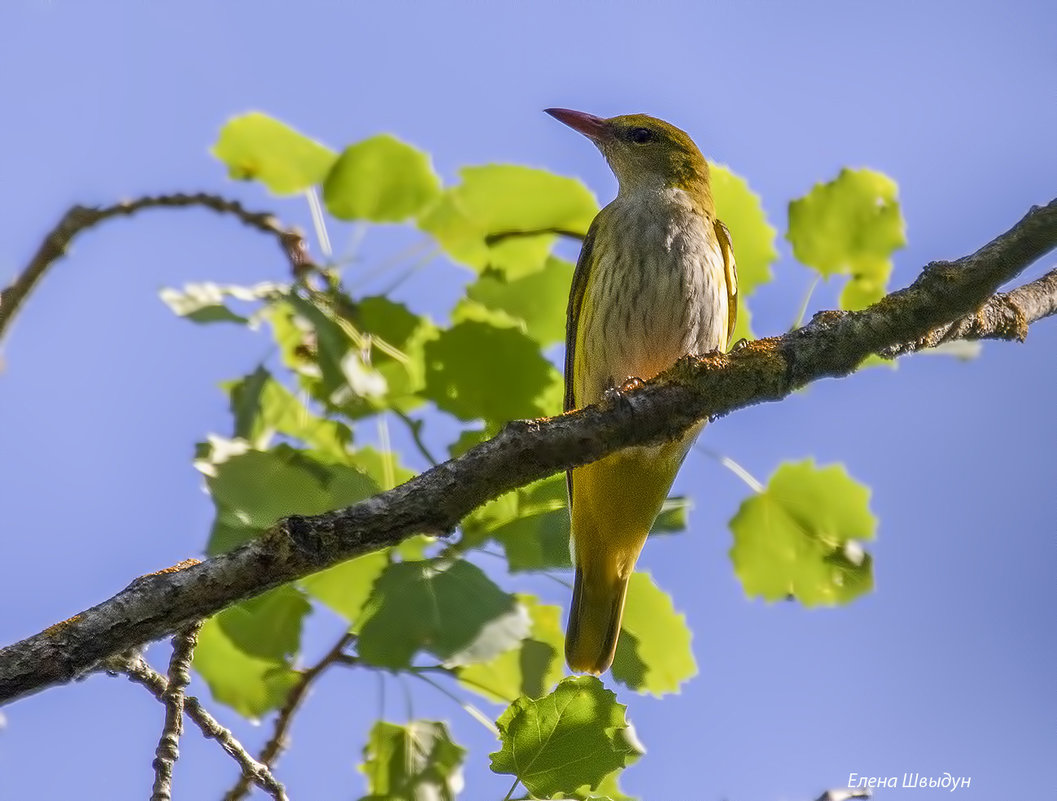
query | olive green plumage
(655,280)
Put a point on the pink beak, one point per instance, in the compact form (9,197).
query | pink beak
(589,125)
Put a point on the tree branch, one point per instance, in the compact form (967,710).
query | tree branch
(139,672)
(81,218)
(832,344)
(278,741)
(1005,316)
(168,750)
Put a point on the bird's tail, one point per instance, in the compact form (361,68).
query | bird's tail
(594,621)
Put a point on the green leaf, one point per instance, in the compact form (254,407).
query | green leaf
(258,147)
(532,524)
(250,685)
(531,668)
(573,737)
(799,536)
(314,346)
(380,179)
(346,587)
(741,210)
(252,489)
(355,357)
(534,532)
(607,790)
(503,216)
(204,302)
(449,608)
(383,467)
(262,406)
(537,300)
(397,337)
(674,515)
(468,438)
(475,370)
(653,653)
(415,762)
(850,226)
(268,626)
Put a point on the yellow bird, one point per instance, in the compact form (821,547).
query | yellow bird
(655,281)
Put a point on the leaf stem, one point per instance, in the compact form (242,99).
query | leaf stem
(510,792)
(415,429)
(754,483)
(467,707)
(425,245)
(319,222)
(803,306)
(388,473)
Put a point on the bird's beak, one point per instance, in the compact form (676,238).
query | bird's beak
(594,128)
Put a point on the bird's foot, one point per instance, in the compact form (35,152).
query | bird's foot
(614,393)
(617,393)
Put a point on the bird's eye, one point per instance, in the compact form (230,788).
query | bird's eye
(640,136)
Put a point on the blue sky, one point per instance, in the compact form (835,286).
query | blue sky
(948,666)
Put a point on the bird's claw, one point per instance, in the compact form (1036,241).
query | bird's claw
(618,393)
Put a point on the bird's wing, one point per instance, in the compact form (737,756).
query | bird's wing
(572,323)
(730,270)
(572,317)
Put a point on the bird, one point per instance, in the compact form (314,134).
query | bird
(655,280)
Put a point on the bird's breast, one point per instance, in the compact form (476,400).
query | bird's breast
(655,292)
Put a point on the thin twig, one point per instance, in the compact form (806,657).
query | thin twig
(499,236)
(139,672)
(278,742)
(414,427)
(803,304)
(168,750)
(81,218)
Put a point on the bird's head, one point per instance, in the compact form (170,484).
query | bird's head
(643,151)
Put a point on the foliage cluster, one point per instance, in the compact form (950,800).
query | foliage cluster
(349,364)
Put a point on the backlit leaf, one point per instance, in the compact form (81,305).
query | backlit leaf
(258,147)
(268,626)
(653,653)
(262,407)
(475,370)
(531,668)
(741,210)
(505,216)
(380,179)
(537,299)
(253,489)
(252,686)
(449,608)
(575,736)
(415,762)
(205,302)
(850,226)
(799,537)
(346,587)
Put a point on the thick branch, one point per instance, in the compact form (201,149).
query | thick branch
(81,218)
(833,344)
(1005,316)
